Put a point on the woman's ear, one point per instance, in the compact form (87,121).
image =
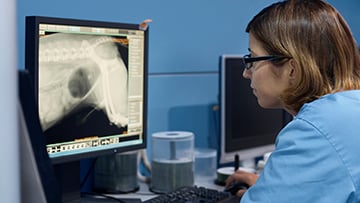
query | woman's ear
(292,69)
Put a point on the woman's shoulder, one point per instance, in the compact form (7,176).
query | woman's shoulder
(328,116)
(332,105)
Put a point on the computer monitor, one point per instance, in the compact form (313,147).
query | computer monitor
(90,87)
(246,129)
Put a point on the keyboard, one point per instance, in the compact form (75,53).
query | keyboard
(195,194)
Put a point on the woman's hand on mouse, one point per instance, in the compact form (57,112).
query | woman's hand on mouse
(243,177)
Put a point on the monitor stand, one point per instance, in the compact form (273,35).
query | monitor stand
(68,176)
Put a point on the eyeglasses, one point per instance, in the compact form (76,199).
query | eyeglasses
(247,61)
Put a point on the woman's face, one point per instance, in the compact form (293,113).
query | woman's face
(267,80)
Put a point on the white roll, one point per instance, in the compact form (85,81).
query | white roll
(172,162)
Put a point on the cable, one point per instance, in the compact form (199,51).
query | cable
(142,158)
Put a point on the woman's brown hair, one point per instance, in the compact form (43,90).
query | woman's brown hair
(318,40)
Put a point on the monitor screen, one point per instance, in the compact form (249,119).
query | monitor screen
(246,129)
(90,85)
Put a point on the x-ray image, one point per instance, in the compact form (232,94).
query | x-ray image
(81,76)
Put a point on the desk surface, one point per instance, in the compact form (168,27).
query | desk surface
(144,193)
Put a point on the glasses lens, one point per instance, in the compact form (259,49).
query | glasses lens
(243,65)
(247,64)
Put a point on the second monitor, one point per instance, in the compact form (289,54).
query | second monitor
(246,129)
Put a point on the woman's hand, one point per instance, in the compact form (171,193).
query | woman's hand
(241,177)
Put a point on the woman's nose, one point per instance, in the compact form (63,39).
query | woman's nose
(247,73)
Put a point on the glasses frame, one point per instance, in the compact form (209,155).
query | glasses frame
(247,61)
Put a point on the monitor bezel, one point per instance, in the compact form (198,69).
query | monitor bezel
(32,65)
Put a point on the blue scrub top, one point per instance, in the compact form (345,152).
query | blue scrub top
(316,157)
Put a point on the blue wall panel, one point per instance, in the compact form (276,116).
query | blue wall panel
(186,36)
(183,103)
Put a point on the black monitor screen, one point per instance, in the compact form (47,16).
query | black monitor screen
(90,85)
(247,129)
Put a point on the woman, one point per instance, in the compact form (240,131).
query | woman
(304,59)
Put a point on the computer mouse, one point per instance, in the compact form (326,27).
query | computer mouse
(234,187)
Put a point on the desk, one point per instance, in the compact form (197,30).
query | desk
(144,193)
